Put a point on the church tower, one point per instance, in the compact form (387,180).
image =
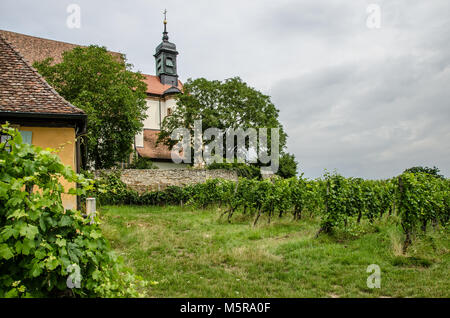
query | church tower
(162,90)
(166,59)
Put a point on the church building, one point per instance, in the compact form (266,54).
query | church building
(161,91)
(161,88)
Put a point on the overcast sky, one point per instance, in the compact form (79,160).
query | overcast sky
(367,102)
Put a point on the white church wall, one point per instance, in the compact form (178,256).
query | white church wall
(153,116)
(139,140)
(152,120)
(170,103)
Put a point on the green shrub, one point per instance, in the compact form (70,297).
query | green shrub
(431,171)
(109,189)
(141,163)
(421,198)
(287,166)
(43,247)
(243,170)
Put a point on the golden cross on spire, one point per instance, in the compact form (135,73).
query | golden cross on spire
(165,16)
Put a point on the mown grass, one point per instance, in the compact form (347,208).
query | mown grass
(195,253)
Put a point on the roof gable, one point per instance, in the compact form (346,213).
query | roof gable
(23,90)
(37,49)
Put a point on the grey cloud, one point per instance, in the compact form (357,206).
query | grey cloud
(371,123)
(369,103)
(315,18)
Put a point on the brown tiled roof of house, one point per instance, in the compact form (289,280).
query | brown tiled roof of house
(150,150)
(37,49)
(154,85)
(23,90)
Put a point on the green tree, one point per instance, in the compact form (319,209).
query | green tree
(431,171)
(287,166)
(228,104)
(108,91)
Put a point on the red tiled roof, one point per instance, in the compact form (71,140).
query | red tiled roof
(154,85)
(37,49)
(150,149)
(23,90)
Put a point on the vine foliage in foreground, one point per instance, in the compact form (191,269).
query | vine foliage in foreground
(41,244)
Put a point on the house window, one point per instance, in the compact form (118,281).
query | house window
(26,139)
(26,136)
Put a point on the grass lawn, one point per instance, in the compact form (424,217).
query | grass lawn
(195,253)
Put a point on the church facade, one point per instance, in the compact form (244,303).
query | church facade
(161,91)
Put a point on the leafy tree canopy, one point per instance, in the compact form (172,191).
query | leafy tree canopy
(431,171)
(287,166)
(228,104)
(108,91)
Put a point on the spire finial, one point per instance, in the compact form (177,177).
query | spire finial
(165,36)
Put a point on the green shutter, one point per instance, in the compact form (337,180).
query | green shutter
(26,136)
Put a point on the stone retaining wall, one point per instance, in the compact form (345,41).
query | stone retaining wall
(143,180)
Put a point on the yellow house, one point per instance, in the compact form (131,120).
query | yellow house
(42,116)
